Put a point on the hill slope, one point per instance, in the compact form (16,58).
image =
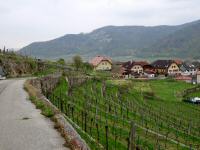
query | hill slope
(115,41)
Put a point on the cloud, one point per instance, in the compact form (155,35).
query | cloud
(26,21)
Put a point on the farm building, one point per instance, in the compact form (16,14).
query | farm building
(101,63)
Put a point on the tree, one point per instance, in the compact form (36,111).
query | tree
(61,61)
(77,62)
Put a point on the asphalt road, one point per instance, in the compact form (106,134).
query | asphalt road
(22,127)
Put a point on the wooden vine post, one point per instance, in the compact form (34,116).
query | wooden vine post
(131,145)
(106,127)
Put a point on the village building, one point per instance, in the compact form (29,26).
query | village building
(188,69)
(150,73)
(137,67)
(101,63)
(133,69)
(166,67)
(126,68)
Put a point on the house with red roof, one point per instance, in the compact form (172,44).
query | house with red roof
(137,69)
(101,63)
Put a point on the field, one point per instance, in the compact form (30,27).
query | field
(119,114)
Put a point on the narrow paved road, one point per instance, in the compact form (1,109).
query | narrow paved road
(17,133)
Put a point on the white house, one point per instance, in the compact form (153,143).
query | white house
(188,69)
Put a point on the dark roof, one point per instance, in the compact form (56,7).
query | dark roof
(162,63)
(130,64)
(187,66)
(127,64)
(196,64)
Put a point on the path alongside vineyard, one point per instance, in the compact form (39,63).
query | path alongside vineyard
(21,125)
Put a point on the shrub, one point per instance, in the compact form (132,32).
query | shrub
(48,112)
(39,104)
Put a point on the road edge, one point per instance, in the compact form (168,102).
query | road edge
(72,138)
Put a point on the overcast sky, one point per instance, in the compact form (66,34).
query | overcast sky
(25,21)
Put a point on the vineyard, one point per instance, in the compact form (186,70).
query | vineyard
(132,114)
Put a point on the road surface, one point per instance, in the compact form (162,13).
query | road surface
(22,127)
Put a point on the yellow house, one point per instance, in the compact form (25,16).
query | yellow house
(101,63)
(173,69)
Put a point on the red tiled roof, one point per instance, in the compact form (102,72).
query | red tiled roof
(178,61)
(96,60)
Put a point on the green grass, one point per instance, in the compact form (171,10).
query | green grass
(169,90)
(46,111)
(39,104)
(194,94)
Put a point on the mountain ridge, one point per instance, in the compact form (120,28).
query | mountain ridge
(120,41)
